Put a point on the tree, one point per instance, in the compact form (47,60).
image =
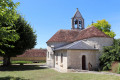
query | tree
(7,16)
(26,41)
(110,54)
(105,27)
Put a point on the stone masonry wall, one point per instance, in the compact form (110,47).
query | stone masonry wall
(50,60)
(75,58)
(58,65)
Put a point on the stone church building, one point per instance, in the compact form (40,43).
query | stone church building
(78,48)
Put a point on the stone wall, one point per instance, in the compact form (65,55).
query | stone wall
(99,42)
(61,66)
(75,58)
(50,56)
(50,47)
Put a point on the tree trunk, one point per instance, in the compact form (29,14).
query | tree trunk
(6,61)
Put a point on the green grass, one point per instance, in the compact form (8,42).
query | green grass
(1,62)
(34,72)
(18,62)
(24,62)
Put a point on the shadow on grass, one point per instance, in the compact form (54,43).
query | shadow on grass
(12,78)
(22,67)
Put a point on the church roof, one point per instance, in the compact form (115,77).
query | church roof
(75,35)
(78,45)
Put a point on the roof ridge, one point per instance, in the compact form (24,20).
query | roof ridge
(76,29)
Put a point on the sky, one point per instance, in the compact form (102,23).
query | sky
(48,16)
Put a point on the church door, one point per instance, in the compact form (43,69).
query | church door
(83,62)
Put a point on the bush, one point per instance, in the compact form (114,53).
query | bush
(109,55)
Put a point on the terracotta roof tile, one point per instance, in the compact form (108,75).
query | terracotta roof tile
(74,35)
(34,53)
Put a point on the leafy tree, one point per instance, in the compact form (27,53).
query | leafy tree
(104,26)
(7,16)
(110,54)
(27,40)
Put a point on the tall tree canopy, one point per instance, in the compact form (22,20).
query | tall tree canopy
(105,27)
(27,40)
(16,35)
(7,16)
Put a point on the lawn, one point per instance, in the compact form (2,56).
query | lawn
(34,72)
(18,62)
(24,62)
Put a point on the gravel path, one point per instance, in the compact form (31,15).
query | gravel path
(92,72)
(95,72)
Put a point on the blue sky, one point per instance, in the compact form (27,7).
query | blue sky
(48,16)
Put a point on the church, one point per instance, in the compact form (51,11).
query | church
(77,48)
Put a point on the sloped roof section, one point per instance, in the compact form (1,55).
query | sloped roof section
(77,14)
(64,36)
(77,45)
(34,53)
(75,35)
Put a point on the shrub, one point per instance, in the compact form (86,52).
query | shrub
(109,55)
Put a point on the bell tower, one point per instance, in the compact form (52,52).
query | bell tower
(77,21)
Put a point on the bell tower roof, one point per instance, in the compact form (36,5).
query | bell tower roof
(77,21)
(77,14)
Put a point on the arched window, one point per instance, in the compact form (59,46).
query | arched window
(75,23)
(80,24)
